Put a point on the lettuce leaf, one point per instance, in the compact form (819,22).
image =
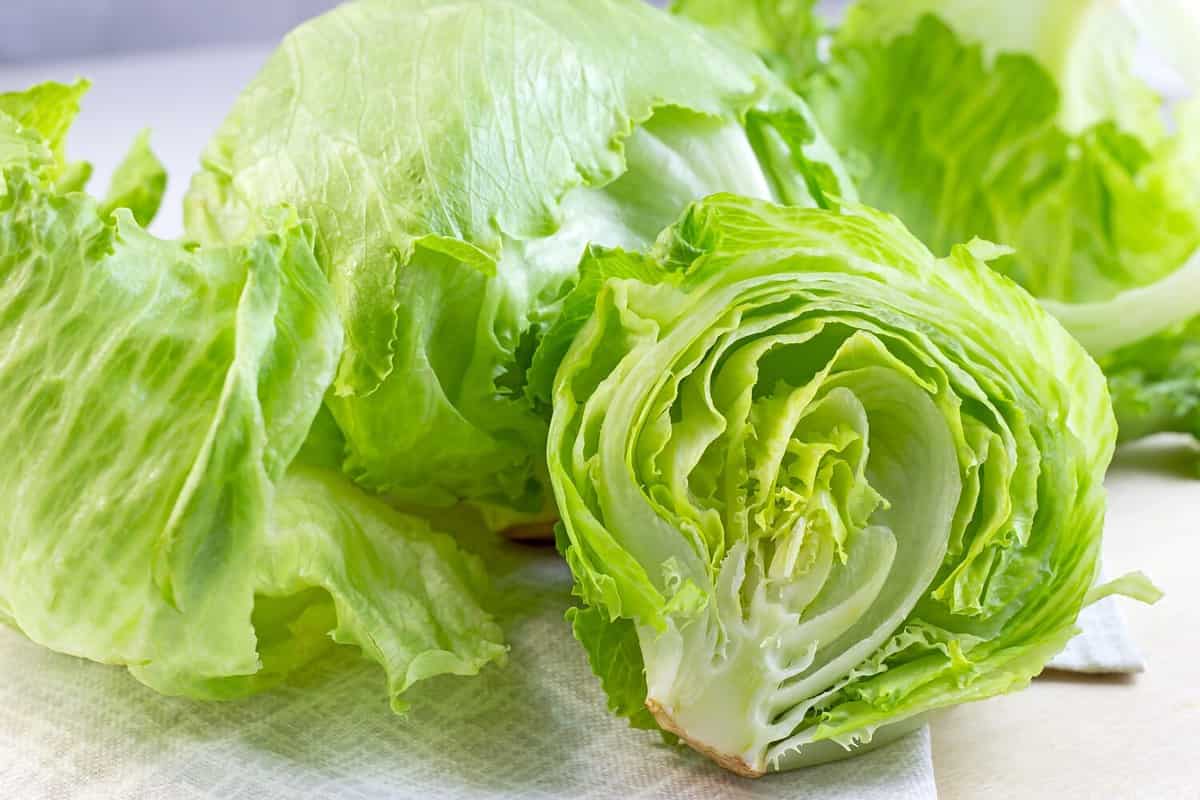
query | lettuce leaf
(1033,130)
(138,183)
(455,158)
(156,397)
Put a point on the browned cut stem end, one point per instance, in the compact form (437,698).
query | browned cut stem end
(732,763)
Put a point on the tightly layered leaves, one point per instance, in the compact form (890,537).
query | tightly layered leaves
(816,482)
(1025,124)
(455,158)
(156,396)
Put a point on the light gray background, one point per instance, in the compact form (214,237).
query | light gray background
(49,30)
(56,30)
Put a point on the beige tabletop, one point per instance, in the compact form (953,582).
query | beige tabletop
(1070,736)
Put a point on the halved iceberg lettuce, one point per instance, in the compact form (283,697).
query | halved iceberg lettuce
(816,482)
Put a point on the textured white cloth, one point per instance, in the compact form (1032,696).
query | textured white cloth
(1105,646)
(537,728)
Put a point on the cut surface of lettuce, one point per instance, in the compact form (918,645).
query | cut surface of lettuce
(821,481)
(455,157)
(155,397)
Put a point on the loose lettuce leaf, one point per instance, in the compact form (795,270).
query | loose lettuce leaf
(408,597)
(155,396)
(830,481)
(455,159)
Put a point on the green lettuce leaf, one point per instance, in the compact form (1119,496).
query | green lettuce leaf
(976,152)
(612,648)
(1155,383)
(138,183)
(33,131)
(1085,47)
(34,124)
(784,32)
(155,397)
(46,111)
(455,158)
(829,481)
(1025,124)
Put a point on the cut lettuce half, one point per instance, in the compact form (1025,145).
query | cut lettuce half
(816,482)
(455,157)
(156,397)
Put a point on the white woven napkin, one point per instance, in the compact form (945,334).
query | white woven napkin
(1104,646)
(537,728)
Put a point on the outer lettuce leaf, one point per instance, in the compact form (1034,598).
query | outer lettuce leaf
(46,111)
(455,158)
(975,152)
(33,131)
(1086,47)
(1028,129)
(155,395)
(613,650)
(832,481)
(405,595)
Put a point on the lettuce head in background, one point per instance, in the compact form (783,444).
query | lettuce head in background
(1027,124)
(455,158)
(155,512)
